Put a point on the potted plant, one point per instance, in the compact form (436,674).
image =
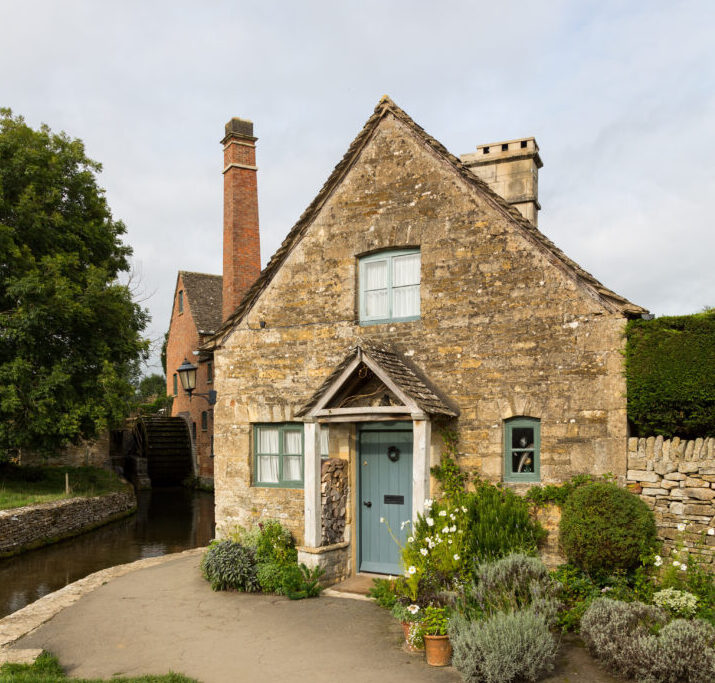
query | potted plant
(433,625)
(409,616)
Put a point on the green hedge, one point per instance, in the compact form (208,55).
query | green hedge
(670,370)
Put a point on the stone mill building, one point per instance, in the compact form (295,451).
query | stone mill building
(414,295)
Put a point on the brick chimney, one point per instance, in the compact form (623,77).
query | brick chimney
(241,242)
(511,169)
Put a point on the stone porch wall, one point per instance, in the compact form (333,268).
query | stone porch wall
(676,478)
(37,525)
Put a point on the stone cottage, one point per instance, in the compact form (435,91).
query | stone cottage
(409,298)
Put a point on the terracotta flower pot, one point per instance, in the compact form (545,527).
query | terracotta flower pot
(438,650)
(406,630)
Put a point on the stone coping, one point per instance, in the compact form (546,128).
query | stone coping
(323,548)
(20,623)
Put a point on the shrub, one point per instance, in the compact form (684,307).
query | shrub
(605,528)
(678,603)
(612,631)
(632,640)
(670,375)
(498,523)
(512,583)
(694,579)
(681,653)
(506,647)
(270,577)
(300,582)
(383,592)
(230,565)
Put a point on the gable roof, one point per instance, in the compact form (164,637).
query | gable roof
(385,107)
(205,294)
(389,367)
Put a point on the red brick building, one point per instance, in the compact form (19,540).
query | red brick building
(202,302)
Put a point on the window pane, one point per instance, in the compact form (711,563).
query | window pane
(268,469)
(325,441)
(291,468)
(376,304)
(268,440)
(375,275)
(406,301)
(522,437)
(522,461)
(293,442)
(406,270)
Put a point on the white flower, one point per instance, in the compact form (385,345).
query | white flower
(658,560)
(382,520)
(428,503)
(430,521)
(676,563)
(681,527)
(442,513)
(405,523)
(424,551)
(449,541)
(711,532)
(445,530)
(413,609)
(411,539)
(683,567)
(456,556)
(453,528)
(452,517)
(411,570)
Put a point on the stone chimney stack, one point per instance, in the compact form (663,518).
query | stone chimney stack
(511,169)
(241,242)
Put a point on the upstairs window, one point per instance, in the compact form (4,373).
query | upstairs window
(390,286)
(181,301)
(204,420)
(175,386)
(209,372)
(522,441)
(278,455)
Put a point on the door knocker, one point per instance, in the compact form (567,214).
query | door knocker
(393,453)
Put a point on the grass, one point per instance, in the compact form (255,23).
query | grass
(47,669)
(21,486)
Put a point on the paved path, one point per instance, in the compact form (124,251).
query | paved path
(165,617)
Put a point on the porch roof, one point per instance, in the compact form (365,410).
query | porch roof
(389,367)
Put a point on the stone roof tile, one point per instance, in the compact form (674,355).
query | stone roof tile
(204,293)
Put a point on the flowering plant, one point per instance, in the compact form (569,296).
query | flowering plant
(406,614)
(433,555)
(678,603)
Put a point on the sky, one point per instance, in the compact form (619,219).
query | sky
(620,96)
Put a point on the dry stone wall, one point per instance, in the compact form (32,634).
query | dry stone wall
(37,525)
(676,478)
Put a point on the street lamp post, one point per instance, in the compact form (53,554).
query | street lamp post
(187,375)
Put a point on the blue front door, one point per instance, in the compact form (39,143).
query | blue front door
(385,493)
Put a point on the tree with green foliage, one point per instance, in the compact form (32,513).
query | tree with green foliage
(71,334)
(670,371)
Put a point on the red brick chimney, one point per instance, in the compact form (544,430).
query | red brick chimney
(241,242)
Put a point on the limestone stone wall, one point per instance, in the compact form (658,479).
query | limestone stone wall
(503,331)
(676,478)
(88,453)
(36,525)
(334,500)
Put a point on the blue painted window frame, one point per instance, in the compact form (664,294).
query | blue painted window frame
(282,428)
(509,426)
(389,257)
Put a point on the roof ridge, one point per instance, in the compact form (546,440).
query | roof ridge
(195,272)
(385,105)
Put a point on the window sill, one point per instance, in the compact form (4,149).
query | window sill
(388,321)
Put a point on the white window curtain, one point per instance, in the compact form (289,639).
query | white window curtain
(292,460)
(406,286)
(268,447)
(324,441)
(376,304)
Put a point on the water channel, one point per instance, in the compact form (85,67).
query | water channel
(167,521)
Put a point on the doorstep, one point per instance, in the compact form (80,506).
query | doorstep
(356,587)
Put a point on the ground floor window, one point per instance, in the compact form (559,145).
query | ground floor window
(278,455)
(522,436)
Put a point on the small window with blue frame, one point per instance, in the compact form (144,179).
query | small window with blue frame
(522,436)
